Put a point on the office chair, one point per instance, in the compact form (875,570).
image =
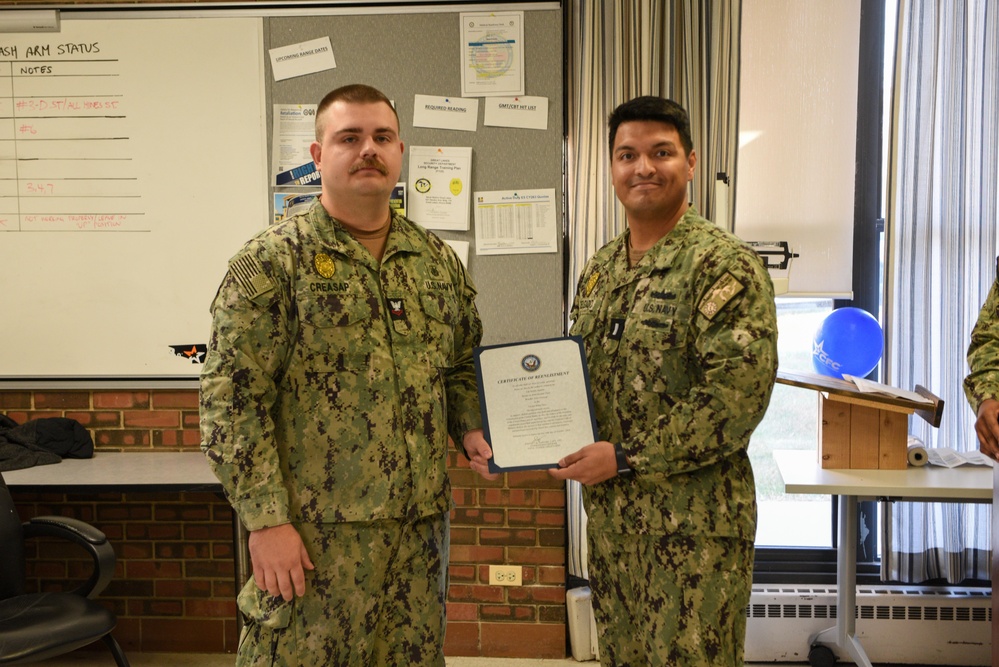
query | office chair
(37,626)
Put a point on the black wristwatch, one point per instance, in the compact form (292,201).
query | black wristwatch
(623,468)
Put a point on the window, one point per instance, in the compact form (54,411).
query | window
(791,422)
(796,534)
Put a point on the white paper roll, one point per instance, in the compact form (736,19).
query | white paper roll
(917,455)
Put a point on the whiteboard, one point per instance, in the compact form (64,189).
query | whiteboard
(110,274)
(132,165)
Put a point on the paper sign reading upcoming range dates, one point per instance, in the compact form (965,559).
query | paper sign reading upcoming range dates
(536,405)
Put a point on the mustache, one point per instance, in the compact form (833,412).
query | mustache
(369,163)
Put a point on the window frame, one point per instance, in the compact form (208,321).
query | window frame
(776,565)
(811,565)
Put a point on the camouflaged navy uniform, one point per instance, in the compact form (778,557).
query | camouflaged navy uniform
(983,352)
(329,389)
(682,358)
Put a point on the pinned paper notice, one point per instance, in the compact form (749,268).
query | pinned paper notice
(303,58)
(515,222)
(439,178)
(530,113)
(446,113)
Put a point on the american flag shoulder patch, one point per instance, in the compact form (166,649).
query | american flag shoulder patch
(248,272)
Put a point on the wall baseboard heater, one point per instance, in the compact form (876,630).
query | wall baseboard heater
(895,624)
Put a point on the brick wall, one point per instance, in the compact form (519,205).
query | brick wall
(174,587)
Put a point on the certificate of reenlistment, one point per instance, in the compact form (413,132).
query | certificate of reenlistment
(536,403)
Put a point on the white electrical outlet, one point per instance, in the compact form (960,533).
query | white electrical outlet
(505,575)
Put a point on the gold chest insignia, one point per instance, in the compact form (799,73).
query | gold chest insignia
(591,282)
(324,265)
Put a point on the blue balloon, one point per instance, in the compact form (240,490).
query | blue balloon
(849,341)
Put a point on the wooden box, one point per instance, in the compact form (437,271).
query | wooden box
(862,430)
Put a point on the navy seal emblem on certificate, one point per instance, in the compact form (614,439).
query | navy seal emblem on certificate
(530,363)
(536,402)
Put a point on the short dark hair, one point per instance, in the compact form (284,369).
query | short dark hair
(649,107)
(354,93)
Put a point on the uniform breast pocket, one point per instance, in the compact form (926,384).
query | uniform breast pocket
(440,310)
(584,324)
(334,332)
(600,347)
(666,353)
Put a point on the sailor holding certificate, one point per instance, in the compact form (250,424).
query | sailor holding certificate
(679,326)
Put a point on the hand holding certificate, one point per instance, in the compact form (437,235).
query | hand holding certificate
(536,404)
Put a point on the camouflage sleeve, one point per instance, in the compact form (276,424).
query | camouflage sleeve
(249,341)
(734,350)
(983,353)
(574,308)
(462,390)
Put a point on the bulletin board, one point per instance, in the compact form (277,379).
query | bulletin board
(126,186)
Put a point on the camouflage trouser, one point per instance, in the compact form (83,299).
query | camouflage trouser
(670,600)
(376,598)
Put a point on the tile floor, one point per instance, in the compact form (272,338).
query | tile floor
(90,658)
(98,659)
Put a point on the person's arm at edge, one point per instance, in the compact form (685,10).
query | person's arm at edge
(981,386)
(237,440)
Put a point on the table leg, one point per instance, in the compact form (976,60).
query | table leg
(843,636)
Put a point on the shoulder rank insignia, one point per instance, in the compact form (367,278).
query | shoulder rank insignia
(724,289)
(324,265)
(250,275)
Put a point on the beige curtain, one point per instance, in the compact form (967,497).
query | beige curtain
(942,200)
(687,50)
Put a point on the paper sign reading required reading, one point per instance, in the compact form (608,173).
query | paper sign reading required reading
(446,113)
